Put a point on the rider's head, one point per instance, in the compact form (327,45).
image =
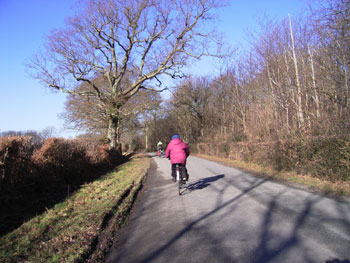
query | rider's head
(175,136)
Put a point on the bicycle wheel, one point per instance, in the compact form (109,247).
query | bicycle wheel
(179,179)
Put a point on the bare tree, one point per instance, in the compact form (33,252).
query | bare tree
(47,132)
(83,113)
(293,82)
(331,24)
(127,44)
(191,103)
(299,105)
(152,118)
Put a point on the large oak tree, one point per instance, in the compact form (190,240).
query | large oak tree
(115,48)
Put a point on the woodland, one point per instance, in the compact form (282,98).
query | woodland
(286,92)
(283,101)
(292,82)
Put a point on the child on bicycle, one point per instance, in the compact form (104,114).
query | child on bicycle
(160,148)
(177,151)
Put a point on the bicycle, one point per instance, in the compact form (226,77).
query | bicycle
(161,153)
(181,181)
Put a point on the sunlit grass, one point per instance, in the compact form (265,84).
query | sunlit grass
(65,233)
(325,186)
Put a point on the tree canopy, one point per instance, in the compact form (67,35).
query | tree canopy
(112,49)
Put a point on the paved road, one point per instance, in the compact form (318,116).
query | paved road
(226,215)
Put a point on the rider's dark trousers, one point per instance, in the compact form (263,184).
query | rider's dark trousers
(183,171)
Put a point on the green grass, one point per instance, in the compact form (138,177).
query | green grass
(327,187)
(68,231)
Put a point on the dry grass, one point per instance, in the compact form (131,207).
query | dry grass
(67,232)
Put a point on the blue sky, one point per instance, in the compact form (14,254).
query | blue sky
(27,105)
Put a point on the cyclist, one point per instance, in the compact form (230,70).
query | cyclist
(160,148)
(177,151)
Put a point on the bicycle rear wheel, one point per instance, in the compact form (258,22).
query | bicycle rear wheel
(179,179)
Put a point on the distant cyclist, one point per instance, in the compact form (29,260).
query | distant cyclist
(177,151)
(160,148)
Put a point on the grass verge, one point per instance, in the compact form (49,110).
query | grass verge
(81,228)
(334,189)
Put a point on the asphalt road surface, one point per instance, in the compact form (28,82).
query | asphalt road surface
(226,215)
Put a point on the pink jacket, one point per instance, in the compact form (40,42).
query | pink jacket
(178,151)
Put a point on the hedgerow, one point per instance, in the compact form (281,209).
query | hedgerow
(322,157)
(34,176)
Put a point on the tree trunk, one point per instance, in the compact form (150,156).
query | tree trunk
(315,97)
(274,99)
(146,136)
(300,114)
(112,135)
(223,120)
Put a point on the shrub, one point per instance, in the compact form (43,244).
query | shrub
(322,157)
(225,148)
(15,154)
(34,177)
(102,158)
(327,158)
(61,161)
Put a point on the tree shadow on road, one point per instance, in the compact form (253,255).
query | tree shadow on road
(269,250)
(266,253)
(190,226)
(338,261)
(266,249)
